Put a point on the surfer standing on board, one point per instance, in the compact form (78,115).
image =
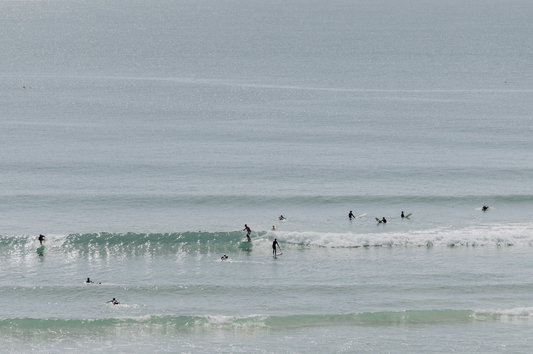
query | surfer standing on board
(248,230)
(274,246)
(41,239)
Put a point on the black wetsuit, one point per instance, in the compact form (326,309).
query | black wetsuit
(351,216)
(274,246)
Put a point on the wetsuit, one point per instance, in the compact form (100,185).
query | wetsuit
(274,247)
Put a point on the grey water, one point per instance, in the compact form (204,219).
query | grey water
(140,137)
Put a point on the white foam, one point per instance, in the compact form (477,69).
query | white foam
(495,234)
(517,311)
(514,315)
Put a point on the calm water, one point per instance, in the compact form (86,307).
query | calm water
(141,136)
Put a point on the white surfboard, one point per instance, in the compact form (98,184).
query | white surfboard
(278,254)
(360,216)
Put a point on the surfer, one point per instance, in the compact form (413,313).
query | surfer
(403,216)
(274,244)
(485,208)
(41,239)
(351,216)
(89,281)
(248,231)
(274,227)
(384,220)
(224,257)
(114,302)
(281,218)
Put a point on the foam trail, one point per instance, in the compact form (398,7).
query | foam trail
(496,235)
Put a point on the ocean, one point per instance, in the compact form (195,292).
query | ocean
(141,136)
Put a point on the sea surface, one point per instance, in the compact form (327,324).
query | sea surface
(140,136)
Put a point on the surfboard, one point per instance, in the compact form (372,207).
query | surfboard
(408,215)
(379,221)
(278,254)
(360,216)
(40,250)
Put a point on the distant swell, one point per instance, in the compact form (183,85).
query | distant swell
(170,323)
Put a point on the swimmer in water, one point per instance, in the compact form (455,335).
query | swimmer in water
(114,302)
(89,281)
(485,208)
(281,218)
(248,230)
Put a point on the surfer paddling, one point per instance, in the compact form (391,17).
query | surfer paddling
(114,302)
(281,217)
(248,231)
(384,220)
(485,208)
(42,239)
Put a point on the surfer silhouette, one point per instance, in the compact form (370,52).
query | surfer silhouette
(41,239)
(114,302)
(351,216)
(248,230)
(403,216)
(274,244)
(485,208)
(384,220)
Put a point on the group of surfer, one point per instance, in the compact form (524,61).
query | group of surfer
(275,244)
(403,216)
(114,302)
(384,221)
